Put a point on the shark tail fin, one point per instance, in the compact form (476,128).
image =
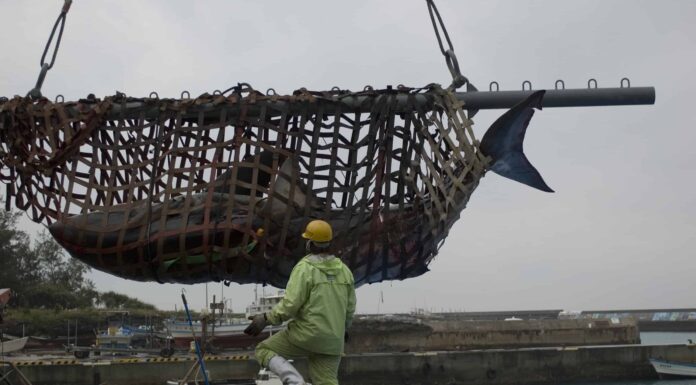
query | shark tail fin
(503,143)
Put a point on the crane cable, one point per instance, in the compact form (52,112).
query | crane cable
(35,93)
(458,79)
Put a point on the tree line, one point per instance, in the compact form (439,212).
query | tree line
(42,276)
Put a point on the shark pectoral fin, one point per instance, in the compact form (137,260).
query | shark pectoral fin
(245,174)
(290,192)
(503,143)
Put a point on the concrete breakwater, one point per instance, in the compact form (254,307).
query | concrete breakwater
(501,367)
(404,334)
(667,326)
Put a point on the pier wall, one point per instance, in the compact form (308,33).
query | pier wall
(501,367)
(428,335)
(667,326)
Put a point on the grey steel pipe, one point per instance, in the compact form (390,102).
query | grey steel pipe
(578,97)
(473,101)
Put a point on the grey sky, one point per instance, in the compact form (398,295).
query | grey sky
(619,232)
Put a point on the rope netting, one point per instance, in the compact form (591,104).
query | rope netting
(220,187)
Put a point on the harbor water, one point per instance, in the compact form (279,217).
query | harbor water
(665,338)
(656,382)
(656,338)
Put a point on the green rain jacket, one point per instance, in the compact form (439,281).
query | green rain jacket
(320,302)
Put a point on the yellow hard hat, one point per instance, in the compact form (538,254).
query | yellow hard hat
(318,231)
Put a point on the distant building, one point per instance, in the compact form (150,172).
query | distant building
(682,320)
(643,314)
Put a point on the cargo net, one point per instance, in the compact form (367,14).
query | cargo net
(220,187)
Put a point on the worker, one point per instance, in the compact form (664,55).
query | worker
(320,302)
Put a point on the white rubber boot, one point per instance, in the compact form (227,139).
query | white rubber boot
(284,369)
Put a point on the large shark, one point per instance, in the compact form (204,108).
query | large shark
(239,234)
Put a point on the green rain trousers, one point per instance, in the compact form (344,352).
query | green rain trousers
(323,368)
(320,302)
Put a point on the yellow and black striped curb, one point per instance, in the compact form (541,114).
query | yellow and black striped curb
(179,359)
(132,360)
(227,358)
(31,363)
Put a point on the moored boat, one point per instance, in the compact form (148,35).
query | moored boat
(674,369)
(14,345)
(115,338)
(5,295)
(226,331)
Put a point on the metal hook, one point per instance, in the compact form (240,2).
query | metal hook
(154,93)
(217,92)
(271,92)
(336,89)
(59,98)
(526,83)
(188,94)
(628,82)
(561,82)
(368,88)
(245,87)
(591,82)
(497,86)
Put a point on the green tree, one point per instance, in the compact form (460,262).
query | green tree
(18,270)
(113,300)
(65,275)
(42,276)
(39,273)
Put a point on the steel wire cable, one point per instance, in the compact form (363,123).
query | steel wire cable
(35,93)
(458,79)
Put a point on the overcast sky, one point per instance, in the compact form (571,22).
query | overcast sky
(620,231)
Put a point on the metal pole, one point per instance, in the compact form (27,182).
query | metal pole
(473,100)
(578,97)
(201,362)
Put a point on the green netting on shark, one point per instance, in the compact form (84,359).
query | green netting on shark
(220,187)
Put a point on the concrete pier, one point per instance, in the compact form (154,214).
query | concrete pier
(519,366)
(432,334)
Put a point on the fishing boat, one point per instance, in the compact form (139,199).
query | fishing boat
(674,369)
(115,338)
(5,295)
(226,331)
(13,345)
